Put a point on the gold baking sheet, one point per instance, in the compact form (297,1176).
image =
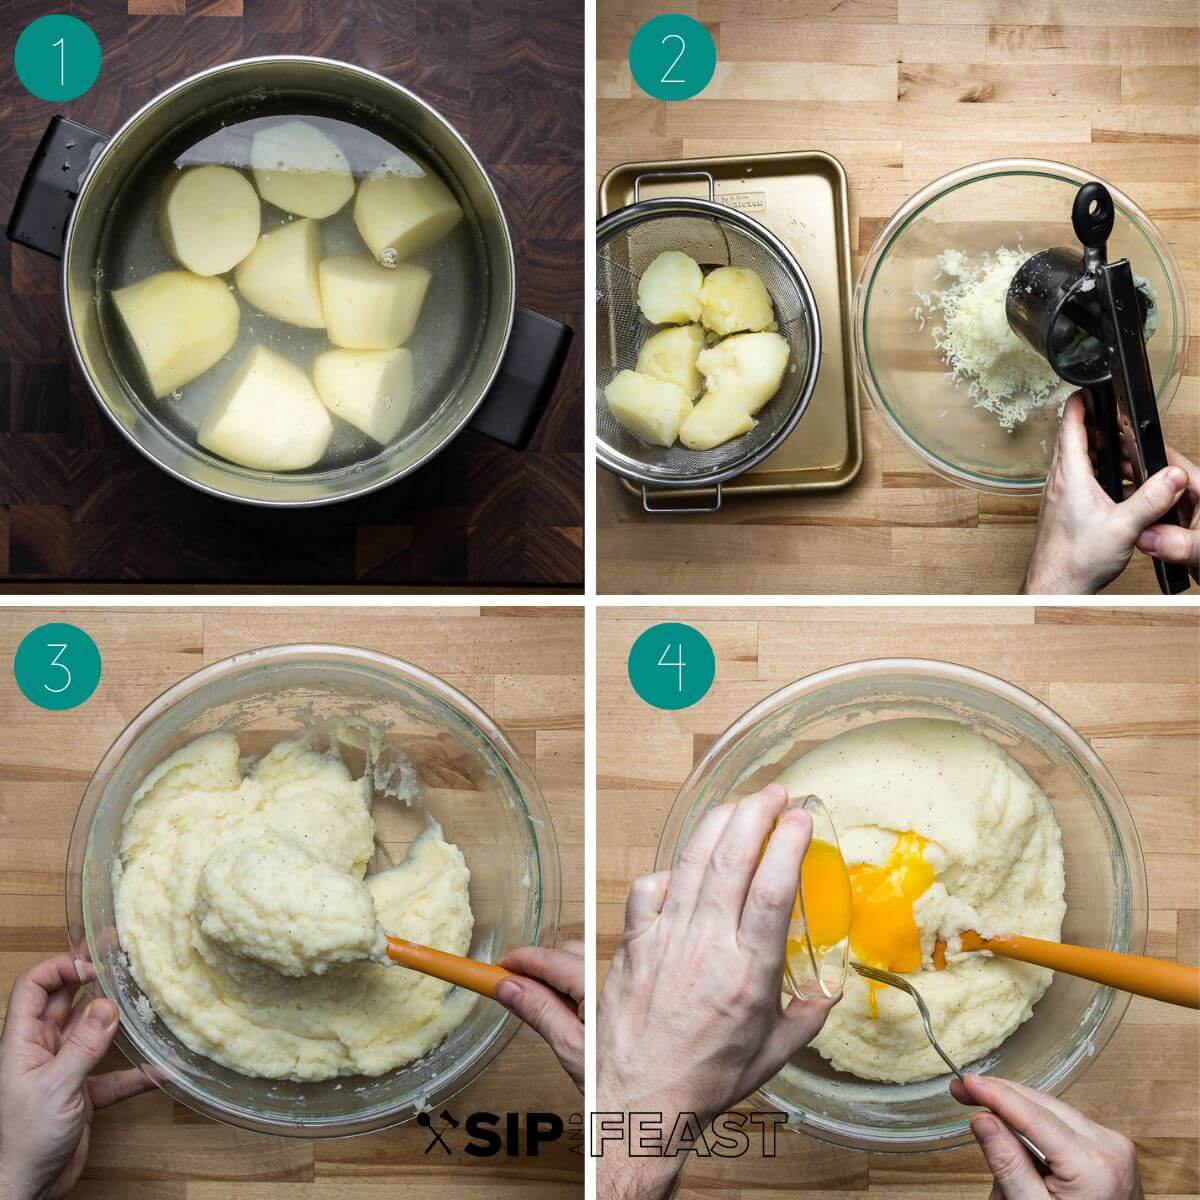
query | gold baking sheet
(801,198)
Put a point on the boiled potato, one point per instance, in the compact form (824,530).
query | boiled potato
(300,169)
(369,307)
(372,389)
(180,325)
(649,408)
(399,215)
(269,416)
(669,289)
(671,354)
(715,420)
(747,367)
(734,299)
(210,218)
(280,275)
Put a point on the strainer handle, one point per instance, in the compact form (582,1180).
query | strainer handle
(712,185)
(671,509)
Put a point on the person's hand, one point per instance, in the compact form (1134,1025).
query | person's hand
(1179,543)
(47,1051)
(1084,539)
(1088,1162)
(549,999)
(691,1019)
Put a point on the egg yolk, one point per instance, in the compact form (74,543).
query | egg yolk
(875,913)
(825,885)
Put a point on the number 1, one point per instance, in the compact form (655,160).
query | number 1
(62,78)
(682,50)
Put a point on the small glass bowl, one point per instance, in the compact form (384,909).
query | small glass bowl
(441,757)
(1107,900)
(1011,202)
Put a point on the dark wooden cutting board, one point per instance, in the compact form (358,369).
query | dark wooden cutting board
(79,506)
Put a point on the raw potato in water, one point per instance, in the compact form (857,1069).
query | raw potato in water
(650,408)
(210,218)
(280,275)
(746,368)
(369,307)
(372,389)
(735,299)
(180,325)
(300,169)
(669,289)
(671,354)
(269,416)
(715,420)
(399,215)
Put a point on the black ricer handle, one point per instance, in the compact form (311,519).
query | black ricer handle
(537,349)
(51,185)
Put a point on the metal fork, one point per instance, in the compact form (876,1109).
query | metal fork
(898,981)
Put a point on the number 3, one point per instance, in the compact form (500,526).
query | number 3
(62,649)
(682,50)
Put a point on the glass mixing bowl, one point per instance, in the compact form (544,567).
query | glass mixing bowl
(441,756)
(1105,879)
(1008,202)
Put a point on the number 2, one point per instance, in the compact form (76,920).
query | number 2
(62,649)
(679,664)
(682,51)
(62,78)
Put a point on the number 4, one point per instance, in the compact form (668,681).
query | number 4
(679,664)
(62,649)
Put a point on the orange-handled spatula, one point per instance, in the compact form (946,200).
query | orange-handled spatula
(467,973)
(1171,982)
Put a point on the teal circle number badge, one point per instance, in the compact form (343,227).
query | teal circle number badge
(57,57)
(672,666)
(672,57)
(57,666)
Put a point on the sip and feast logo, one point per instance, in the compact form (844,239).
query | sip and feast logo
(487,1134)
(659,1135)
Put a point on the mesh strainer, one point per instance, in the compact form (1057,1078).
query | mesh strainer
(715,235)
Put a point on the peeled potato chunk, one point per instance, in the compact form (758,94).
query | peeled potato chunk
(734,299)
(372,389)
(210,218)
(669,289)
(269,417)
(369,307)
(747,368)
(671,354)
(280,275)
(300,169)
(651,409)
(399,215)
(180,325)
(715,420)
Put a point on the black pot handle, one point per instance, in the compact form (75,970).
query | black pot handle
(51,185)
(537,349)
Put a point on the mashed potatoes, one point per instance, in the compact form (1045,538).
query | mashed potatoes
(995,848)
(240,908)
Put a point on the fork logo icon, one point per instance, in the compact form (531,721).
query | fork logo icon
(448,1122)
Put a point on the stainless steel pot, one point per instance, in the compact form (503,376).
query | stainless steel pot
(70,191)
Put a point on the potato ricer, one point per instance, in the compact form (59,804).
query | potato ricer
(1090,319)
